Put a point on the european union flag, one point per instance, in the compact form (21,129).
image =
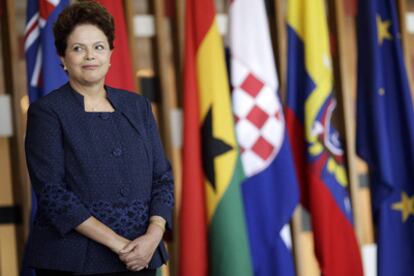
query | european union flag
(385,133)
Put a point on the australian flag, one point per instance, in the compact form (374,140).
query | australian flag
(385,133)
(44,72)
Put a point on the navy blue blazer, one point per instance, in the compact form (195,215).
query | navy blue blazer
(107,165)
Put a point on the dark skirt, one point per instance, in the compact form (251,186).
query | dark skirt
(47,272)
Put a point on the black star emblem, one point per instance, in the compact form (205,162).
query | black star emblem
(211,147)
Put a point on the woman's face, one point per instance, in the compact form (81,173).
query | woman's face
(87,56)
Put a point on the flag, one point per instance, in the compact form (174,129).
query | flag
(213,234)
(120,74)
(385,133)
(318,153)
(270,190)
(44,72)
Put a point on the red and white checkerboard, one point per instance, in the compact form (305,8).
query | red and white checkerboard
(259,120)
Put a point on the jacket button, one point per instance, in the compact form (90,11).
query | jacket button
(104,116)
(117,152)
(124,191)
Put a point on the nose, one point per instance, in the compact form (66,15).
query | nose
(89,55)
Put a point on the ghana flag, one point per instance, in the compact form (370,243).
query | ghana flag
(213,235)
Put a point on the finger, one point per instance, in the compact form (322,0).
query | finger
(128,255)
(132,268)
(134,256)
(130,246)
(135,263)
(137,268)
(123,258)
(131,265)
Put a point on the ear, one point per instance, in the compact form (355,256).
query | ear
(62,61)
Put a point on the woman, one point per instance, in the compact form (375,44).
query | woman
(103,185)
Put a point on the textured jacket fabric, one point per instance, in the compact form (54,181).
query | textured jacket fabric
(109,165)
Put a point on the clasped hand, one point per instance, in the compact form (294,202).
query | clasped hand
(138,253)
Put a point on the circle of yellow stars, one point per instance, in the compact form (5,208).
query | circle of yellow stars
(405,206)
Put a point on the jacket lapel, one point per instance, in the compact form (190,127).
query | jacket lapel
(129,109)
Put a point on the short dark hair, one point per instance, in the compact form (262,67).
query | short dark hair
(81,13)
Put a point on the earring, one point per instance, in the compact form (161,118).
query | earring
(65,68)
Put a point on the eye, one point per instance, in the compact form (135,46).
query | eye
(77,48)
(99,47)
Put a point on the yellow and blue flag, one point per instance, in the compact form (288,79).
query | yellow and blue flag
(385,133)
(319,157)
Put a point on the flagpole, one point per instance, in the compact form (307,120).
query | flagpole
(178,45)
(279,33)
(21,191)
(129,20)
(164,68)
(345,110)
(302,240)
(160,68)
(178,26)
(278,30)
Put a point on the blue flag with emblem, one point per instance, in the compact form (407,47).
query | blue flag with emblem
(44,72)
(385,133)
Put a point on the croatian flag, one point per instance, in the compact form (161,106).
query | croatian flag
(270,190)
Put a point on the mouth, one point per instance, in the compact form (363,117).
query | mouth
(90,67)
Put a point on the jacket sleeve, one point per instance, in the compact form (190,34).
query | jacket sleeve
(45,162)
(162,196)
